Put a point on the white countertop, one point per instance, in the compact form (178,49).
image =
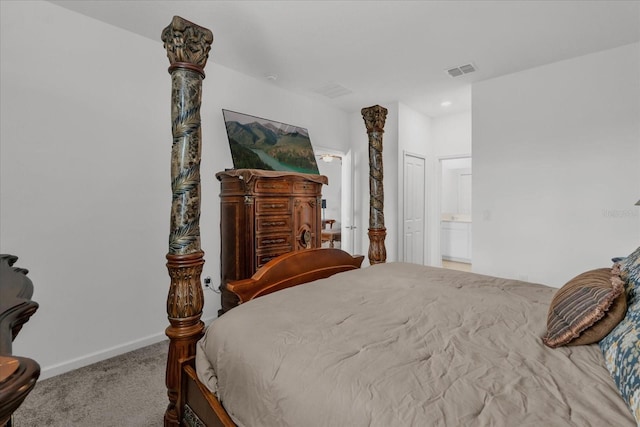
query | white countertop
(448,217)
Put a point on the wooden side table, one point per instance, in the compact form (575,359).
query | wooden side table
(329,234)
(18,375)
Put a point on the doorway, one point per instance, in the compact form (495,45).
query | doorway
(337,198)
(455,212)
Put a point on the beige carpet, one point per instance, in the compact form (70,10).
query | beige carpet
(127,390)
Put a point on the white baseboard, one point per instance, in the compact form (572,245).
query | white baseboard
(454,259)
(98,356)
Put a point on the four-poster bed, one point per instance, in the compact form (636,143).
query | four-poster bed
(317,340)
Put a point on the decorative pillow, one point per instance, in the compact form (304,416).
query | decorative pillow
(621,350)
(630,273)
(602,327)
(580,304)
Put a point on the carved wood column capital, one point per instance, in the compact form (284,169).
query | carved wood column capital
(374,118)
(187,45)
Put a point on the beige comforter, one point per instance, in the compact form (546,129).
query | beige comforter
(404,345)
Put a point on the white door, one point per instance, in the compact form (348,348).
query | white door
(413,212)
(348,221)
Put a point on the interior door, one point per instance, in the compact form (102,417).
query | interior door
(413,212)
(348,222)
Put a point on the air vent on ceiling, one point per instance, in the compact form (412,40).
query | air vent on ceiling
(333,90)
(462,69)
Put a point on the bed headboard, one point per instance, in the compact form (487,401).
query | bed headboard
(294,268)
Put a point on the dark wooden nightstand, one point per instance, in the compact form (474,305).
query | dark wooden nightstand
(18,375)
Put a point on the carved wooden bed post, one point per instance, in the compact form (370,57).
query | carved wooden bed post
(374,118)
(187,46)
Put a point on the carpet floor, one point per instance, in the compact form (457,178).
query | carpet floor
(127,390)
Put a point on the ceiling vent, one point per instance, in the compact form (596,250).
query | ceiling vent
(333,90)
(462,69)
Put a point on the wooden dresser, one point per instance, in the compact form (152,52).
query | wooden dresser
(264,214)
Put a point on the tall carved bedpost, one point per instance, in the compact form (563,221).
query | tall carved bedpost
(187,46)
(374,118)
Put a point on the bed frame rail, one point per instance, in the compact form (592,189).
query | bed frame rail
(197,402)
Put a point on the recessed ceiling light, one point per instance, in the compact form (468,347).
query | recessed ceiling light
(272,77)
(446,104)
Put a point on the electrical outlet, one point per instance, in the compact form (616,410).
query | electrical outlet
(207,282)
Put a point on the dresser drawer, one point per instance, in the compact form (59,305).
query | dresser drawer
(265,241)
(264,257)
(306,187)
(272,205)
(273,186)
(273,223)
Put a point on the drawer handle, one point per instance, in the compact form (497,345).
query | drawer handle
(274,224)
(273,241)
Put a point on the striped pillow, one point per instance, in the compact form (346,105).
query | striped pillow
(582,304)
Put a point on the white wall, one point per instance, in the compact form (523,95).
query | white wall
(556,167)
(451,135)
(85,181)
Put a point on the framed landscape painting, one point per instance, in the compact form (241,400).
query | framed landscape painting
(258,143)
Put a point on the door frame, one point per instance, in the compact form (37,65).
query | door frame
(347,208)
(437,255)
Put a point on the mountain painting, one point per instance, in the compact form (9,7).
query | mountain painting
(258,143)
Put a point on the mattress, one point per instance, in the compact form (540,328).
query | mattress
(400,344)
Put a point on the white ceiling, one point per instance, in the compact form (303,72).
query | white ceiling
(385,51)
